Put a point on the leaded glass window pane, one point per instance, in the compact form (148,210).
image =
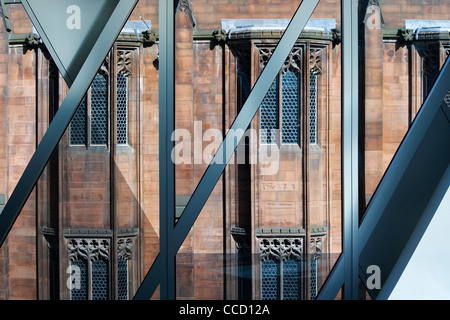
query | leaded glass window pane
(122,279)
(99,110)
(99,278)
(291,279)
(313,278)
(313,108)
(269,115)
(122,109)
(79,290)
(290,108)
(78,125)
(270,287)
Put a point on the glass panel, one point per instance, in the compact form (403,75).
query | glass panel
(269,115)
(290,107)
(270,280)
(122,280)
(100,280)
(122,109)
(313,108)
(313,275)
(78,125)
(291,279)
(402,49)
(283,184)
(80,272)
(101,183)
(99,110)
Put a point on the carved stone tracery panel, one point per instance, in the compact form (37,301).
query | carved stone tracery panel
(89,249)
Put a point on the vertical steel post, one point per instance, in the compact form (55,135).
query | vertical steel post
(166,165)
(171,238)
(350,146)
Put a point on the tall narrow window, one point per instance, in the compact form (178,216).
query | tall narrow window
(122,279)
(291,279)
(269,115)
(280,109)
(122,109)
(78,125)
(79,289)
(124,258)
(270,284)
(99,110)
(100,279)
(89,125)
(281,268)
(89,259)
(290,108)
(313,107)
(313,281)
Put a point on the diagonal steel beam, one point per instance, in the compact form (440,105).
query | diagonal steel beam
(241,123)
(63,117)
(402,205)
(334,282)
(408,195)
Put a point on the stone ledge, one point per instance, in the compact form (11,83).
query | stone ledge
(290,232)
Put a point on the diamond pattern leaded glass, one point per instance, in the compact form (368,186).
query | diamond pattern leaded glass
(313,108)
(78,125)
(291,279)
(99,110)
(313,278)
(122,109)
(80,293)
(290,108)
(269,115)
(99,278)
(122,279)
(270,288)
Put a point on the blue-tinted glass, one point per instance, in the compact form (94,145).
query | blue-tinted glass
(290,108)
(122,109)
(79,292)
(78,125)
(313,108)
(313,285)
(99,110)
(270,285)
(269,115)
(122,280)
(291,279)
(99,278)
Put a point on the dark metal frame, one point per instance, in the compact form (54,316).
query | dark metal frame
(65,113)
(367,244)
